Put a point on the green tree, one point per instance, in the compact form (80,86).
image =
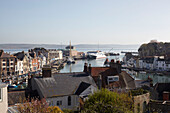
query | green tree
(105,101)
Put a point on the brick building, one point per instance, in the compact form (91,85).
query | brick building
(7,64)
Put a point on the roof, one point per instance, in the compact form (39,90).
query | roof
(2,85)
(83,86)
(125,80)
(6,55)
(160,87)
(60,85)
(20,55)
(32,54)
(140,83)
(96,71)
(1,51)
(129,81)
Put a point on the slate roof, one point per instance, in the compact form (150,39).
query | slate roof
(5,55)
(20,55)
(125,82)
(140,83)
(60,85)
(129,81)
(32,54)
(1,51)
(83,86)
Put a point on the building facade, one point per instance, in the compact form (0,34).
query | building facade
(7,64)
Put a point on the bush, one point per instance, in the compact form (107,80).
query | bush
(37,106)
(105,101)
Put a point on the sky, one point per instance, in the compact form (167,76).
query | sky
(84,21)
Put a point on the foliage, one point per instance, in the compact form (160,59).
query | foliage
(105,101)
(68,111)
(54,109)
(139,91)
(37,106)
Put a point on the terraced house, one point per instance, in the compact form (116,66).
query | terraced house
(7,64)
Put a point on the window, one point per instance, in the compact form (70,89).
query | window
(0,94)
(69,100)
(4,60)
(11,63)
(3,64)
(4,69)
(59,103)
(35,68)
(11,59)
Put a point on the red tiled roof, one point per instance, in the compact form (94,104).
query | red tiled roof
(95,71)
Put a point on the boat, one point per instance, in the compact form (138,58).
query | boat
(95,55)
(12,86)
(70,60)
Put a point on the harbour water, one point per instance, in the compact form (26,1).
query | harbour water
(79,65)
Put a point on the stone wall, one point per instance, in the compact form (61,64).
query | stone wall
(16,97)
(140,102)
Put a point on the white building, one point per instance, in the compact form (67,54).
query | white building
(54,54)
(3,98)
(64,91)
(155,63)
(19,67)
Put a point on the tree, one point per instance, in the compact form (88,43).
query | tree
(105,101)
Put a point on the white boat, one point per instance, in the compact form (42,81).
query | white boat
(95,55)
(70,60)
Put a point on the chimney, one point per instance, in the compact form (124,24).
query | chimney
(100,81)
(165,96)
(85,67)
(89,69)
(46,71)
(151,81)
(115,65)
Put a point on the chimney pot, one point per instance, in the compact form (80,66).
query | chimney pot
(46,71)
(85,67)
(166,96)
(112,60)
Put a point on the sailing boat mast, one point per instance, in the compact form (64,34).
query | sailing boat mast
(70,50)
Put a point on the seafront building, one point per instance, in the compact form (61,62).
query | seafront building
(7,64)
(54,54)
(153,63)
(67,52)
